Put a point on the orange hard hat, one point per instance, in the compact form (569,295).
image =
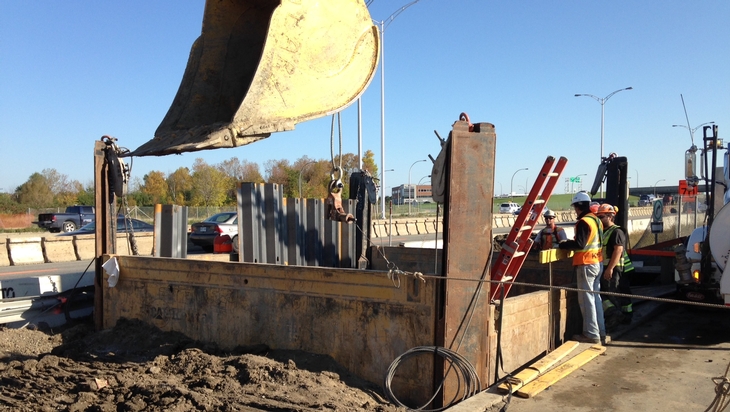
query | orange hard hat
(607,209)
(594,207)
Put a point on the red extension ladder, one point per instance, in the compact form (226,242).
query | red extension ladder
(518,243)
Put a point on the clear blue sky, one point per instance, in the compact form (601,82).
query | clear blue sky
(73,71)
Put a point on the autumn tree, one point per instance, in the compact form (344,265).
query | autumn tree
(368,163)
(155,187)
(58,182)
(69,195)
(209,185)
(281,172)
(239,171)
(179,186)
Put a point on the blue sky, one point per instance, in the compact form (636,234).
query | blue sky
(73,71)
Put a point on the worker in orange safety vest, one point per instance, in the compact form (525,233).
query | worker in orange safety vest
(587,260)
(550,235)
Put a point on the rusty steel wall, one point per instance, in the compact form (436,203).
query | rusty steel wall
(360,318)
(467,236)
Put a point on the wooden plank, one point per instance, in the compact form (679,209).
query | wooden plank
(529,374)
(548,379)
(553,255)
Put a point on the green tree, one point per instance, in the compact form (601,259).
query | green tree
(9,206)
(85,196)
(35,192)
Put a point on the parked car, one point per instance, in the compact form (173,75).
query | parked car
(203,233)
(508,207)
(123,226)
(72,219)
(519,209)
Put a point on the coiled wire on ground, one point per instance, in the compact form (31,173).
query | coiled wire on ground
(469,383)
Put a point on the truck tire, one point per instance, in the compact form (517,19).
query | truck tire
(68,226)
(235,244)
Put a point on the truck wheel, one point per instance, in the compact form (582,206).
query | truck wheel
(69,226)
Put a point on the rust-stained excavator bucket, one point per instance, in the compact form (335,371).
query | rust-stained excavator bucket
(261,66)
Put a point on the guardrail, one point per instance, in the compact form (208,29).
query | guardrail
(51,249)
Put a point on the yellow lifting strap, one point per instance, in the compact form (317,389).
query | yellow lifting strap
(261,66)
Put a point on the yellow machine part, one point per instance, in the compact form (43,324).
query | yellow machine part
(261,66)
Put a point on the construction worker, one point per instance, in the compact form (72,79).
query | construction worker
(617,269)
(551,234)
(587,263)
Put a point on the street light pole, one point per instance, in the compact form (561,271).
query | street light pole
(300,176)
(657,182)
(409,185)
(603,101)
(511,192)
(383,26)
(382,195)
(692,130)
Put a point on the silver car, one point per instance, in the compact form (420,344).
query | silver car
(204,233)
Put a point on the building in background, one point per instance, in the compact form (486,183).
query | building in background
(404,194)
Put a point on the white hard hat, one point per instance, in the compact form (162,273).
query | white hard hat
(549,213)
(580,197)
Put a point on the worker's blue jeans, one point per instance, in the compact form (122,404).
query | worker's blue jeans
(588,278)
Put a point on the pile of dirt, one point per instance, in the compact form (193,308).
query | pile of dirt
(136,366)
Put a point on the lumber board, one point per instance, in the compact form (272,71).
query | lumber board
(531,372)
(553,255)
(554,375)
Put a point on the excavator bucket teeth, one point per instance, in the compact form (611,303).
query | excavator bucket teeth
(261,66)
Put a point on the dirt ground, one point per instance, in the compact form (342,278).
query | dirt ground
(137,367)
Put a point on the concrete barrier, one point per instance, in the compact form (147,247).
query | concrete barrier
(411,227)
(58,249)
(4,260)
(422,227)
(27,251)
(145,244)
(85,247)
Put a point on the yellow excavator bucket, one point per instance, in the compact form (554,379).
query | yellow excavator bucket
(261,66)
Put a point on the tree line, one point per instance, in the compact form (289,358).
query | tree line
(202,184)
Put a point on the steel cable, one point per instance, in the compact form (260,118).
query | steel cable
(467,377)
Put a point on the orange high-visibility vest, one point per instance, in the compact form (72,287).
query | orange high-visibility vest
(591,253)
(549,238)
